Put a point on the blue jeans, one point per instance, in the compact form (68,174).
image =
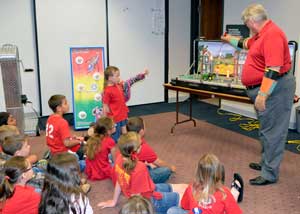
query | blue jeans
(159,174)
(168,200)
(177,210)
(81,163)
(118,132)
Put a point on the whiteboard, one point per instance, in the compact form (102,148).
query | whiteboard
(63,24)
(136,41)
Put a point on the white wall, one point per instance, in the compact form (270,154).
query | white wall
(179,37)
(136,42)
(16,21)
(62,25)
(179,42)
(283,13)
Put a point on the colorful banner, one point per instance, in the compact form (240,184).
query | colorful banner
(87,71)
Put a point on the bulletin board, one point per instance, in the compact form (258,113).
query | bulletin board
(87,73)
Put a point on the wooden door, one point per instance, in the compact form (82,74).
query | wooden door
(211,18)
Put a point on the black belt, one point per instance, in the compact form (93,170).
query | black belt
(258,85)
(252,86)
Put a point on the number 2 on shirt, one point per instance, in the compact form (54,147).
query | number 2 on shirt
(49,130)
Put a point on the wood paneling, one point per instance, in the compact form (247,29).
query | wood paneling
(211,18)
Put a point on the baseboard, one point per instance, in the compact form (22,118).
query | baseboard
(248,111)
(245,111)
(181,97)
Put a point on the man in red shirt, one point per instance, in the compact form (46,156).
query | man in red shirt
(270,86)
(58,135)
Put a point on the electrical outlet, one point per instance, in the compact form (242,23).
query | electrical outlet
(29,70)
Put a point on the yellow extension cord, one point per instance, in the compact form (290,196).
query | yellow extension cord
(251,125)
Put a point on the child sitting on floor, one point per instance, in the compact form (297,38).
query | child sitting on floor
(159,170)
(58,135)
(98,148)
(207,194)
(62,192)
(16,197)
(16,145)
(132,178)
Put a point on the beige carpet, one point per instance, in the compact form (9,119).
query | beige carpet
(189,143)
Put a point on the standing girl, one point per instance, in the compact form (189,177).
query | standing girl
(133,178)
(99,148)
(16,197)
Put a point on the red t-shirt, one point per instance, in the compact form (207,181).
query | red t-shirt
(218,206)
(100,168)
(268,48)
(57,130)
(146,153)
(24,200)
(137,182)
(113,96)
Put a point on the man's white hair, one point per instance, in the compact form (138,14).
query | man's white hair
(255,12)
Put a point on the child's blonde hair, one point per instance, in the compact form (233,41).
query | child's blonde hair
(13,143)
(6,131)
(108,72)
(208,178)
(101,128)
(129,144)
(137,205)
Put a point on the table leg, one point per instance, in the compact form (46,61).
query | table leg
(177,113)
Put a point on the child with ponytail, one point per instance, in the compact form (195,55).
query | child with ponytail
(132,178)
(15,196)
(98,148)
(207,193)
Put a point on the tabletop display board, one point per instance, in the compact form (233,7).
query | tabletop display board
(219,66)
(87,71)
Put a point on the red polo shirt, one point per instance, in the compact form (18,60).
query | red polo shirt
(266,49)
(136,182)
(146,153)
(24,200)
(219,204)
(113,96)
(99,168)
(57,130)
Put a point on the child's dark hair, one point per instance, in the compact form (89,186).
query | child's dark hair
(129,144)
(102,125)
(55,100)
(61,181)
(135,124)
(108,72)
(137,205)
(10,174)
(3,118)
(101,128)
(13,143)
